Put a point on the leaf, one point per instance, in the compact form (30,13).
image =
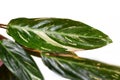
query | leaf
(18,61)
(75,68)
(55,34)
(5,74)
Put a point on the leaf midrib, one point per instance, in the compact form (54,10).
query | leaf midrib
(54,32)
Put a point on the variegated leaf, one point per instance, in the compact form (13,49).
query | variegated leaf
(78,68)
(18,61)
(55,34)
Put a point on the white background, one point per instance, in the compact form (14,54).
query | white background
(101,14)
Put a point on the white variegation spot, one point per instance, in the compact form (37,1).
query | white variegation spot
(41,23)
(22,37)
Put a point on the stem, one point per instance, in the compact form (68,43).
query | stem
(32,51)
(72,55)
(4,26)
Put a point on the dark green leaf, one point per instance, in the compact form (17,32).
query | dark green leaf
(75,68)
(56,35)
(18,61)
(5,74)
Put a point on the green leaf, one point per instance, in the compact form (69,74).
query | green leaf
(75,68)
(18,61)
(5,74)
(55,34)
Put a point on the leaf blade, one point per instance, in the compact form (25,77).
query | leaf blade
(61,34)
(75,68)
(18,62)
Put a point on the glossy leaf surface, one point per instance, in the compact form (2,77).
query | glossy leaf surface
(18,61)
(75,68)
(55,34)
